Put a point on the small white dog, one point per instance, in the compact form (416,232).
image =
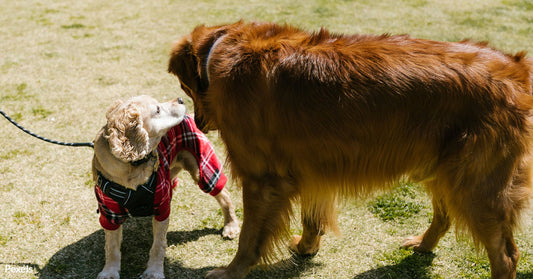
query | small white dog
(137,156)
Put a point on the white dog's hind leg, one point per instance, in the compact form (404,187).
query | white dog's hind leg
(113,240)
(231,223)
(155,269)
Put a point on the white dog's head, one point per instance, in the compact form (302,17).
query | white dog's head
(135,127)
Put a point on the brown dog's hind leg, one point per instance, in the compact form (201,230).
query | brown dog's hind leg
(503,254)
(439,226)
(493,217)
(492,222)
(490,226)
(267,209)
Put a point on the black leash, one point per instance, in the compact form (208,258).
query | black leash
(88,144)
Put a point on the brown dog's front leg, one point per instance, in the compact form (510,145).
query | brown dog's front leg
(439,226)
(308,244)
(113,240)
(318,213)
(267,207)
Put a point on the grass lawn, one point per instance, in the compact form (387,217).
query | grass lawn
(62,63)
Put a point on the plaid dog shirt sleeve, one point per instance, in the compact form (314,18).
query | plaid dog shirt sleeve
(112,215)
(189,137)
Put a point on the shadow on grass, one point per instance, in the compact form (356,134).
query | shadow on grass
(85,258)
(413,266)
(289,268)
(528,275)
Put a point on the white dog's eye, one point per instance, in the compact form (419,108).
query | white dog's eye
(158,109)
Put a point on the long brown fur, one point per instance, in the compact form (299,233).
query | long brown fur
(312,117)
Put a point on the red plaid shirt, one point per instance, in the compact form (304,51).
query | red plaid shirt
(184,136)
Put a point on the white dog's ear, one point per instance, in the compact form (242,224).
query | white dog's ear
(125,133)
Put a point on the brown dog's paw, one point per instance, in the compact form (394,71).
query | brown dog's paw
(412,241)
(415,242)
(308,253)
(293,243)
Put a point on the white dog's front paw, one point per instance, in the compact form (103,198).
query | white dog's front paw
(231,230)
(108,274)
(153,274)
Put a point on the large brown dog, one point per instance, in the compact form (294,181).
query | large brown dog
(312,116)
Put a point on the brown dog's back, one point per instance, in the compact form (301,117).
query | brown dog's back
(366,108)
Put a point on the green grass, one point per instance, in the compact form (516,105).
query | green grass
(62,63)
(398,205)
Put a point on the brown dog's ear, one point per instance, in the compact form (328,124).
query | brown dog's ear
(188,58)
(184,65)
(127,138)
